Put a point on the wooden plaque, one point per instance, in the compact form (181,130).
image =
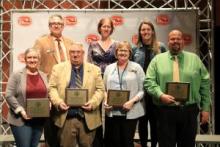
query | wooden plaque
(117,98)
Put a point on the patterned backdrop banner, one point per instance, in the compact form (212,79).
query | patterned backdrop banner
(81,26)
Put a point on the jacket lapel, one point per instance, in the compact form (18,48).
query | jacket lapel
(23,83)
(86,74)
(66,44)
(67,73)
(51,44)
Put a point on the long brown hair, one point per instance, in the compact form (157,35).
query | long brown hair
(154,43)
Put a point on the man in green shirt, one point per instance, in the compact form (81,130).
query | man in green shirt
(177,121)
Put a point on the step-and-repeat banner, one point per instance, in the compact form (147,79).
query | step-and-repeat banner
(81,26)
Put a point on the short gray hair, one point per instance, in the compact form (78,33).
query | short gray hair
(32,50)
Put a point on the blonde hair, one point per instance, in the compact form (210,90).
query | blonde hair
(123,44)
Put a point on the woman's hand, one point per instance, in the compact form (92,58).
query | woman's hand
(128,105)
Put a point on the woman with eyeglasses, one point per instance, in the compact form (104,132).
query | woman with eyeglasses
(101,53)
(27,83)
(121,119)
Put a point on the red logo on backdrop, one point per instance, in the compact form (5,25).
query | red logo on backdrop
(70,20)
(117,20)
(92,37)
(162,19)
(135,39)
(187,39)
(24,20)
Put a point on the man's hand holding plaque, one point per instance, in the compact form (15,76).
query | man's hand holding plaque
(117,98)
(76,97)
(179,90)
(38,107)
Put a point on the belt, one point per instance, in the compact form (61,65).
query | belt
(75,113)
(180,106)
(75,116)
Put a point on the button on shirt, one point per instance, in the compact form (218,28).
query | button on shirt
(191,70)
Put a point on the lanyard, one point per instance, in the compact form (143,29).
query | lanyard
(120,77)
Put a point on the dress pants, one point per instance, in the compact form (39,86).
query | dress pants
(99,140)
(119,131)
(50,130)
(150,118)
(177,125)
(75,132)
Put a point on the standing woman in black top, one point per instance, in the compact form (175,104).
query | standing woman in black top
(147,47)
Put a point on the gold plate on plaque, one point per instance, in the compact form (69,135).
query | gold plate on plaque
(117,98)
(76,97)
(38,107)
(179,90)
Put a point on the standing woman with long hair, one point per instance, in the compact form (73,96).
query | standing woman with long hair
(147,47)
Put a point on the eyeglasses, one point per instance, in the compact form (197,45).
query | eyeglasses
(106,26)
(56,24)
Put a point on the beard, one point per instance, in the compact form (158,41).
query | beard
(175,48)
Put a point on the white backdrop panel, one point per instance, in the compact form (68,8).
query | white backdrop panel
(27,26)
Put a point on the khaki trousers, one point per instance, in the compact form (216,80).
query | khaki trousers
(75,132)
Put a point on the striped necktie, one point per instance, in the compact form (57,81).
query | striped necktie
(78,79)
(176,75)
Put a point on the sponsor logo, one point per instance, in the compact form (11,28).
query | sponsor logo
(187,39)
(162,19)
(92,37)
(134,39)
(70,20)
(24,20)
(117,20)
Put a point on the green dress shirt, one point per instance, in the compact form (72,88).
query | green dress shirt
(191,70)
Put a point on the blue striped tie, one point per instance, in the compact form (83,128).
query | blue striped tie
(78,79)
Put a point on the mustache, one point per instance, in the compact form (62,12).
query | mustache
(176,45)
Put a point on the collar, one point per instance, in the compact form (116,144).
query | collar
(179,56)
(80,68)
(54,38)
